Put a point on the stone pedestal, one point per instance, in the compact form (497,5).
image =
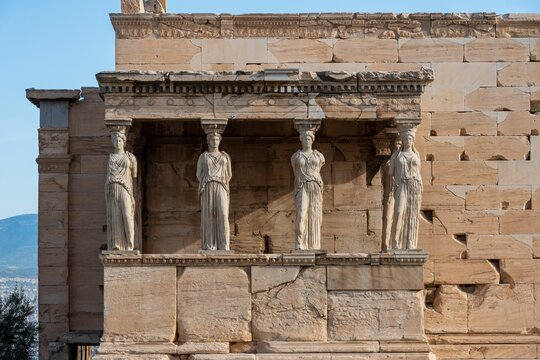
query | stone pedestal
(237,306)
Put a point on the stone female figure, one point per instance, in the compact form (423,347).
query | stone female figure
(308,193)
(214,173)
(119,196)
(407,181)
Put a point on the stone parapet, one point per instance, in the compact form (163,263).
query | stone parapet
(264,306)
(317,26)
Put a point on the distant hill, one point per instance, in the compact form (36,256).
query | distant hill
(19,246)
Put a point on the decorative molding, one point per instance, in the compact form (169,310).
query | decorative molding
(53,164)
(403,258)
(286,81)
(324,26)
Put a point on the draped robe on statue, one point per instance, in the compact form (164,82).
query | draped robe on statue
(405,168)
(120,201)
(214,174)
(308,190)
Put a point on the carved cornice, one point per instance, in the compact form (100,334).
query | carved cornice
(259,82)
(324,26)
(412,258)
(53,164)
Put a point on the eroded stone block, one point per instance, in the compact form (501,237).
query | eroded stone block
(430,50)
(502,308)
(374,278)
(375,315)
(214,304)
(294,310)
(498,99)
(448,311)
(464,123)
(139,304)
(465,272)
(519,74)
(497,49)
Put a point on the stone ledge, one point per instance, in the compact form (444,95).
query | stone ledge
(37,95)
(413,258)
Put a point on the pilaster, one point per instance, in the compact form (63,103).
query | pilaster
(53,222)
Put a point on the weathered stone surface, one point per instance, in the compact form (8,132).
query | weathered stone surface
(430,50)
(497,49)
(520,222)
(520,271)
(374,278)
(236,51)
(519,74)
(441,197)
(448,311)
(214,304)
(203,348)
(133,348)
(442,246)
(505,351)
(496,148)
(130,53)
(317,347)
(375,315)
(264,278)
(518,123)
(501,309)
(470,172)
(465,272)
(535,49)
(498,247)
(132,6)
(298,51)
(292,311)
(463,123)
(366,50)
(135,290)
(464,222)
(440,148)
(498,197)
(453,81)
(497,99)
(526,172)
(222,357)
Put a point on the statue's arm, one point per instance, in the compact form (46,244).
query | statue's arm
(200,168)
(134,167)
(228,169)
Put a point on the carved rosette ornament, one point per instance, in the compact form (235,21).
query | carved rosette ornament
(308,188)
(214,173)
(120,193)
(402,205)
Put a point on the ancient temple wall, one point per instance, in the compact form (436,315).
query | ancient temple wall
(478,139)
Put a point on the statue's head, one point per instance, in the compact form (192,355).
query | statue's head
(119,140)
(408,136)
(213,139)
(307,138)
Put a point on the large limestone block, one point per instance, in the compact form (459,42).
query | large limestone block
(498,197)
(366,50)
(131,53)
(264,278)
(375,315)
(441,197)
(464,172)
(448,311)
(497,49)
(299,51)
(430,50)
(502,351)
(520,271)
(535,49)
(452,81)
(498,99)
(496,147)
(132,6)
(464,222)
(520,222)
(214,304)
(499,247)
(291,310)
(458,272)
(518,123)
(140,304)
(236,51)
(442,246)
(520,74)
(374,278)
(440,148)
(463,123)
(525,172)
(501,309)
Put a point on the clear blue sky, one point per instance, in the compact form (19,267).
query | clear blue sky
(63,43)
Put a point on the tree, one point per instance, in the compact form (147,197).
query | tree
(18,328)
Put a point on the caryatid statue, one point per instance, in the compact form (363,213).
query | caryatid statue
(404,168)
(214,173)
(120,194)
(388,191)
(308,188)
